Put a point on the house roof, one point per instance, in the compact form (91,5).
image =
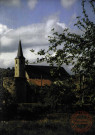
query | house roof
(38,72)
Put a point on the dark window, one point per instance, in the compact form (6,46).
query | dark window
(16,61)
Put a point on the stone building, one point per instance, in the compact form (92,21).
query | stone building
(30,74)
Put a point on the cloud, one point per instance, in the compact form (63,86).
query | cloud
(32,3)
(67,3)
(73,19)
(32,36)
(63,25)
(74,16)
(10,2)
(7,59)
(3,29)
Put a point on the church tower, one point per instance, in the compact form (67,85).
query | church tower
(20,63)
(20,79)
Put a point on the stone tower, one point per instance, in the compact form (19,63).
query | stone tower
(20,63)
(20,80)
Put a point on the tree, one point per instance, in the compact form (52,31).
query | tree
(56,95)
(79,50)
(76,49)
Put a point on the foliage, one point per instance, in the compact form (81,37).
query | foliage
(9,72)
(59,93)
(55,95)
(75,49)
(8,98)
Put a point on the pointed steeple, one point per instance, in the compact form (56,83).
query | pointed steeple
(20,63)
(20,53)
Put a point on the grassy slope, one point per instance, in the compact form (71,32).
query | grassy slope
(54,124)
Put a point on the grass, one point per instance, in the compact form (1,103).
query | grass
(52,124)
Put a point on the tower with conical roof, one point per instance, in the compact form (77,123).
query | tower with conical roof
(20,79)
(20,63)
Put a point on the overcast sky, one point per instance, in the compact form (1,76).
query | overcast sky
(32,21)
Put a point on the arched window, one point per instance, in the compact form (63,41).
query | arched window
(16,61)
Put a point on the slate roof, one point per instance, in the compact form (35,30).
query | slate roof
(38,72)
(20,53)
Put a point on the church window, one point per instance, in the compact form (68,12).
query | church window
(16,61)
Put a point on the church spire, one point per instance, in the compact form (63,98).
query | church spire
(20,53)
(20,63)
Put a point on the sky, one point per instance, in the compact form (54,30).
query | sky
(31,22)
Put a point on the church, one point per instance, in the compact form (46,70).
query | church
(36,75)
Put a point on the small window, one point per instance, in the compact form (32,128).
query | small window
(16,61)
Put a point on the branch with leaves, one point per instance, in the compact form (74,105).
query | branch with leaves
(67,47)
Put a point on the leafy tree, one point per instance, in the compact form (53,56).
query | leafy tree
(56,95)
(9,72)
(75,49)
